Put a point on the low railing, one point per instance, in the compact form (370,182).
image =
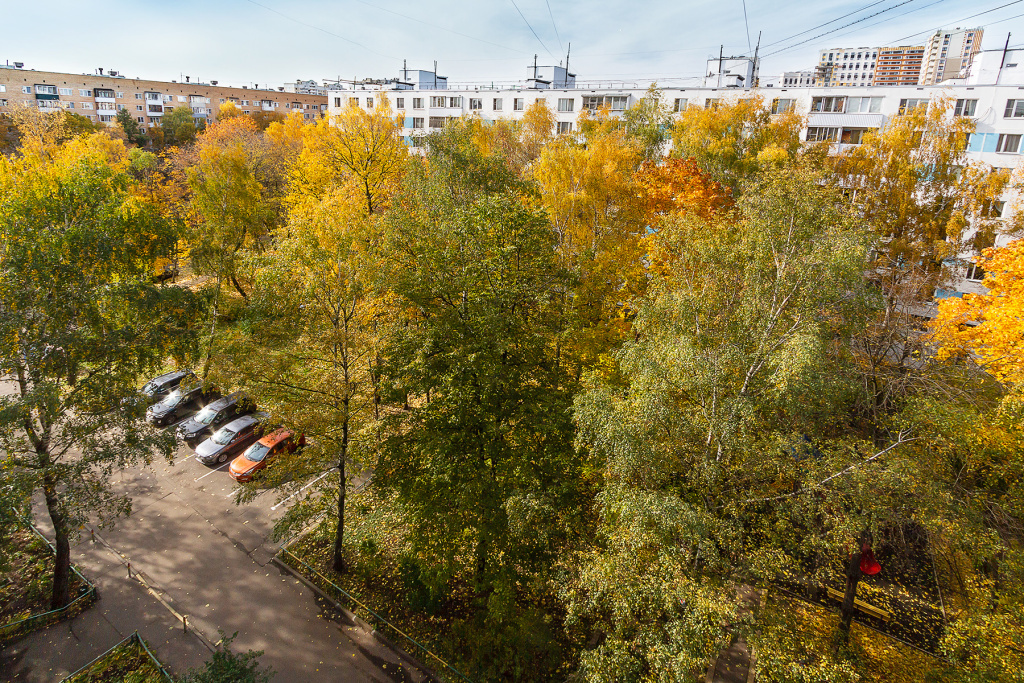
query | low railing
(325,583)
(86,596)
(133,637)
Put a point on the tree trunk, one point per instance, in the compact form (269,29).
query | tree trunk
(853,575)
(339,534)
(238,288)
(62,562)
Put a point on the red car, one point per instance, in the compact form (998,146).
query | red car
(263,451)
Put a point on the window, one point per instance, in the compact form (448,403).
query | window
(853,136)
(86,105)
(353,101)
(65,91)
(3,103)
(437,121)
(828,104)
(564,127)
(518,104)
(680,104)
(369,103)
(975,272)
(1014,109)
(417,122)
(222,100)
(566,103)
(613,102)
(817,134)
(993,209)
(436,101)
(417,103)
(120,95)
(711,103)
(26,89)
(864,105)
(454,102)
(105,106)
(779,105)
(85,93)
(911,104)
(3,88)
(182,98)
(46,90)
(475,103)
(496,104)
(965,107)
(337,101)
(399,103)
(120,107)
(138,96)
(71,105)
(1008,144)
(140,119)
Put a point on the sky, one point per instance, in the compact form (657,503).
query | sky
(270,42)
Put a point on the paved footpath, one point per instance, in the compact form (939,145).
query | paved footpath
(202,556)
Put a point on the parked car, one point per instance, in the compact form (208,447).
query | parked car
(232,439)
(213,415)
(158,388)
(179,402)
(258,455)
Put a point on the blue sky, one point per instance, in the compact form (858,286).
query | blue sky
(242,42)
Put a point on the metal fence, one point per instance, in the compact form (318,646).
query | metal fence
(86,596)
(326,584)
(133,637)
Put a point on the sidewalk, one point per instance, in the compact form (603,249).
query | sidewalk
(218,573)
(123,606)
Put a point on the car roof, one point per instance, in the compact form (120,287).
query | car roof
(171,375)
(275,437)
(245,421)
(226,401)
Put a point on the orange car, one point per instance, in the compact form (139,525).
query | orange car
(257,456)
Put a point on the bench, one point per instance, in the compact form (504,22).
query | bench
(870,610)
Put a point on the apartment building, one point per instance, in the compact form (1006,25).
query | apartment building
(100,96)
(805,78)
(835,115)
(899,65)
(846,66)
(949,54)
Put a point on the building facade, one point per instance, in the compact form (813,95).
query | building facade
(948,55)
(899,65)
(846,66)
(834,115)
(99,97)
(798,79)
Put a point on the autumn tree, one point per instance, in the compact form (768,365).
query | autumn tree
(648,122)
(481,459)
(733,140)
(80,320)
(357,144)
(178,126)
(130,127)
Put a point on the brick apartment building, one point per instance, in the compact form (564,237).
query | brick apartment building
(99,96)
(899,65)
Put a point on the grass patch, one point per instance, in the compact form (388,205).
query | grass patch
(26,584)
(800,641)
(127,662)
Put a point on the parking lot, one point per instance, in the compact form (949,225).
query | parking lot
(210,559)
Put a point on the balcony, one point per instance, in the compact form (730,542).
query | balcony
(154,109)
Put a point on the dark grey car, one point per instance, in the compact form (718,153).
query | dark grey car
(217,413)
(178,403)
(233,438)
(158,388)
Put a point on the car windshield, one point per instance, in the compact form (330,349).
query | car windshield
(257,452)
(206,416)
(150,388)
(173,398)
(223,436)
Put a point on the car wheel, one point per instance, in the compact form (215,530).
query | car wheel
(222,457)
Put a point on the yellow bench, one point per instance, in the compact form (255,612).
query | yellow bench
(864,607)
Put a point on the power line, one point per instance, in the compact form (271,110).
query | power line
(441,28)
(553,25)
(746,24)
(832,21)
(322,30)
(840,28)
(531,28)
(1015,2)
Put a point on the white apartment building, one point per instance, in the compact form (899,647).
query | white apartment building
(847,66)
(795,79)
(948,54)
(835,115)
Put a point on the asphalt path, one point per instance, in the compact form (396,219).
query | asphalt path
(210,559)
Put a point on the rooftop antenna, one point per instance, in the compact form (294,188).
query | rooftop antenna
(721,52)
(405,71)
(1002,62)
(535,66)
(435,74)
(757,71)
(567,51)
